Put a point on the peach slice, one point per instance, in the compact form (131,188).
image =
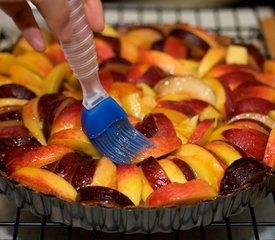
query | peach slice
(175,116)
(102,177)
(39,157)
(129,182)
(12,102)
(173,172)
(53,80)
(269,65)
(269,155)
(254,90)
(68,118)
(164,61)
(266,120)
(109,31)
(188,85)
(36,62)
(202,131)
(251,141)
(103,49)
(5,80)
(21,75)
(212,57)
(203,162)
(143,36)
(44,181)
(160,148)
(75,139)
(6,59)
(236,78)
(228,152)
(237,55)
(181,193)
(12,128)
(128,50)
(222,69)
(267,78)
(224,101)
(32,121)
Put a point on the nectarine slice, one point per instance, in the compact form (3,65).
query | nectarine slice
(172,194)
(129,182)
(46,182)
(39,157)
(269,155)
(32,121)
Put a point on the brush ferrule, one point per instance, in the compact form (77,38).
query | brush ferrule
(96,120)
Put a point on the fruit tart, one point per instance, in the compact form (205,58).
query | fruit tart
(205,101)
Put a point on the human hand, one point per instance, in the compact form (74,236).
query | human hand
(56,15)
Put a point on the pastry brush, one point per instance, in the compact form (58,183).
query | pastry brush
(104,121)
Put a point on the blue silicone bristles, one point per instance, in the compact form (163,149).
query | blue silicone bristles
(110,131)
(121,142)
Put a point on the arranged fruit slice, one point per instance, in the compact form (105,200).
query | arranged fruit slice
(212,57)
(102,177)
(164,61)
(181,193)
(13,90)
(53,80)
(251,141)
(202,131)
(26,77)
(228,152)
(74,139)
(36,62)
(31,120)
(269,155)
(104,196)
(224,99)
(46,182)
(237,55)
(39,157)
(188,85)
(206,166)
(241,174)
(12,128)
(172,170)
(129,182)
(6,59)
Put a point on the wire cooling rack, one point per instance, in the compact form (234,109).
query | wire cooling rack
(242,24)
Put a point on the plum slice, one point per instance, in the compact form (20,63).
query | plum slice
(91,195)
(15,91)
(241,174)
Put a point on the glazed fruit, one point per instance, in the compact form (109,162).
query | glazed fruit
(207,105)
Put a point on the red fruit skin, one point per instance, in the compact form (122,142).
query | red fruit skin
(152,76)
(15,91)
(186,170)
(175,47)
(235,78)
(251,141)
(200,131)
(157,124)
(189,107)
(154,173)
(181,193)
(255,105)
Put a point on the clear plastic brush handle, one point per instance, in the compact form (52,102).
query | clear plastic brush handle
(81,55)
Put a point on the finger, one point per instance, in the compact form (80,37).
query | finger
(94,13)
(22,16)
(57,16)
